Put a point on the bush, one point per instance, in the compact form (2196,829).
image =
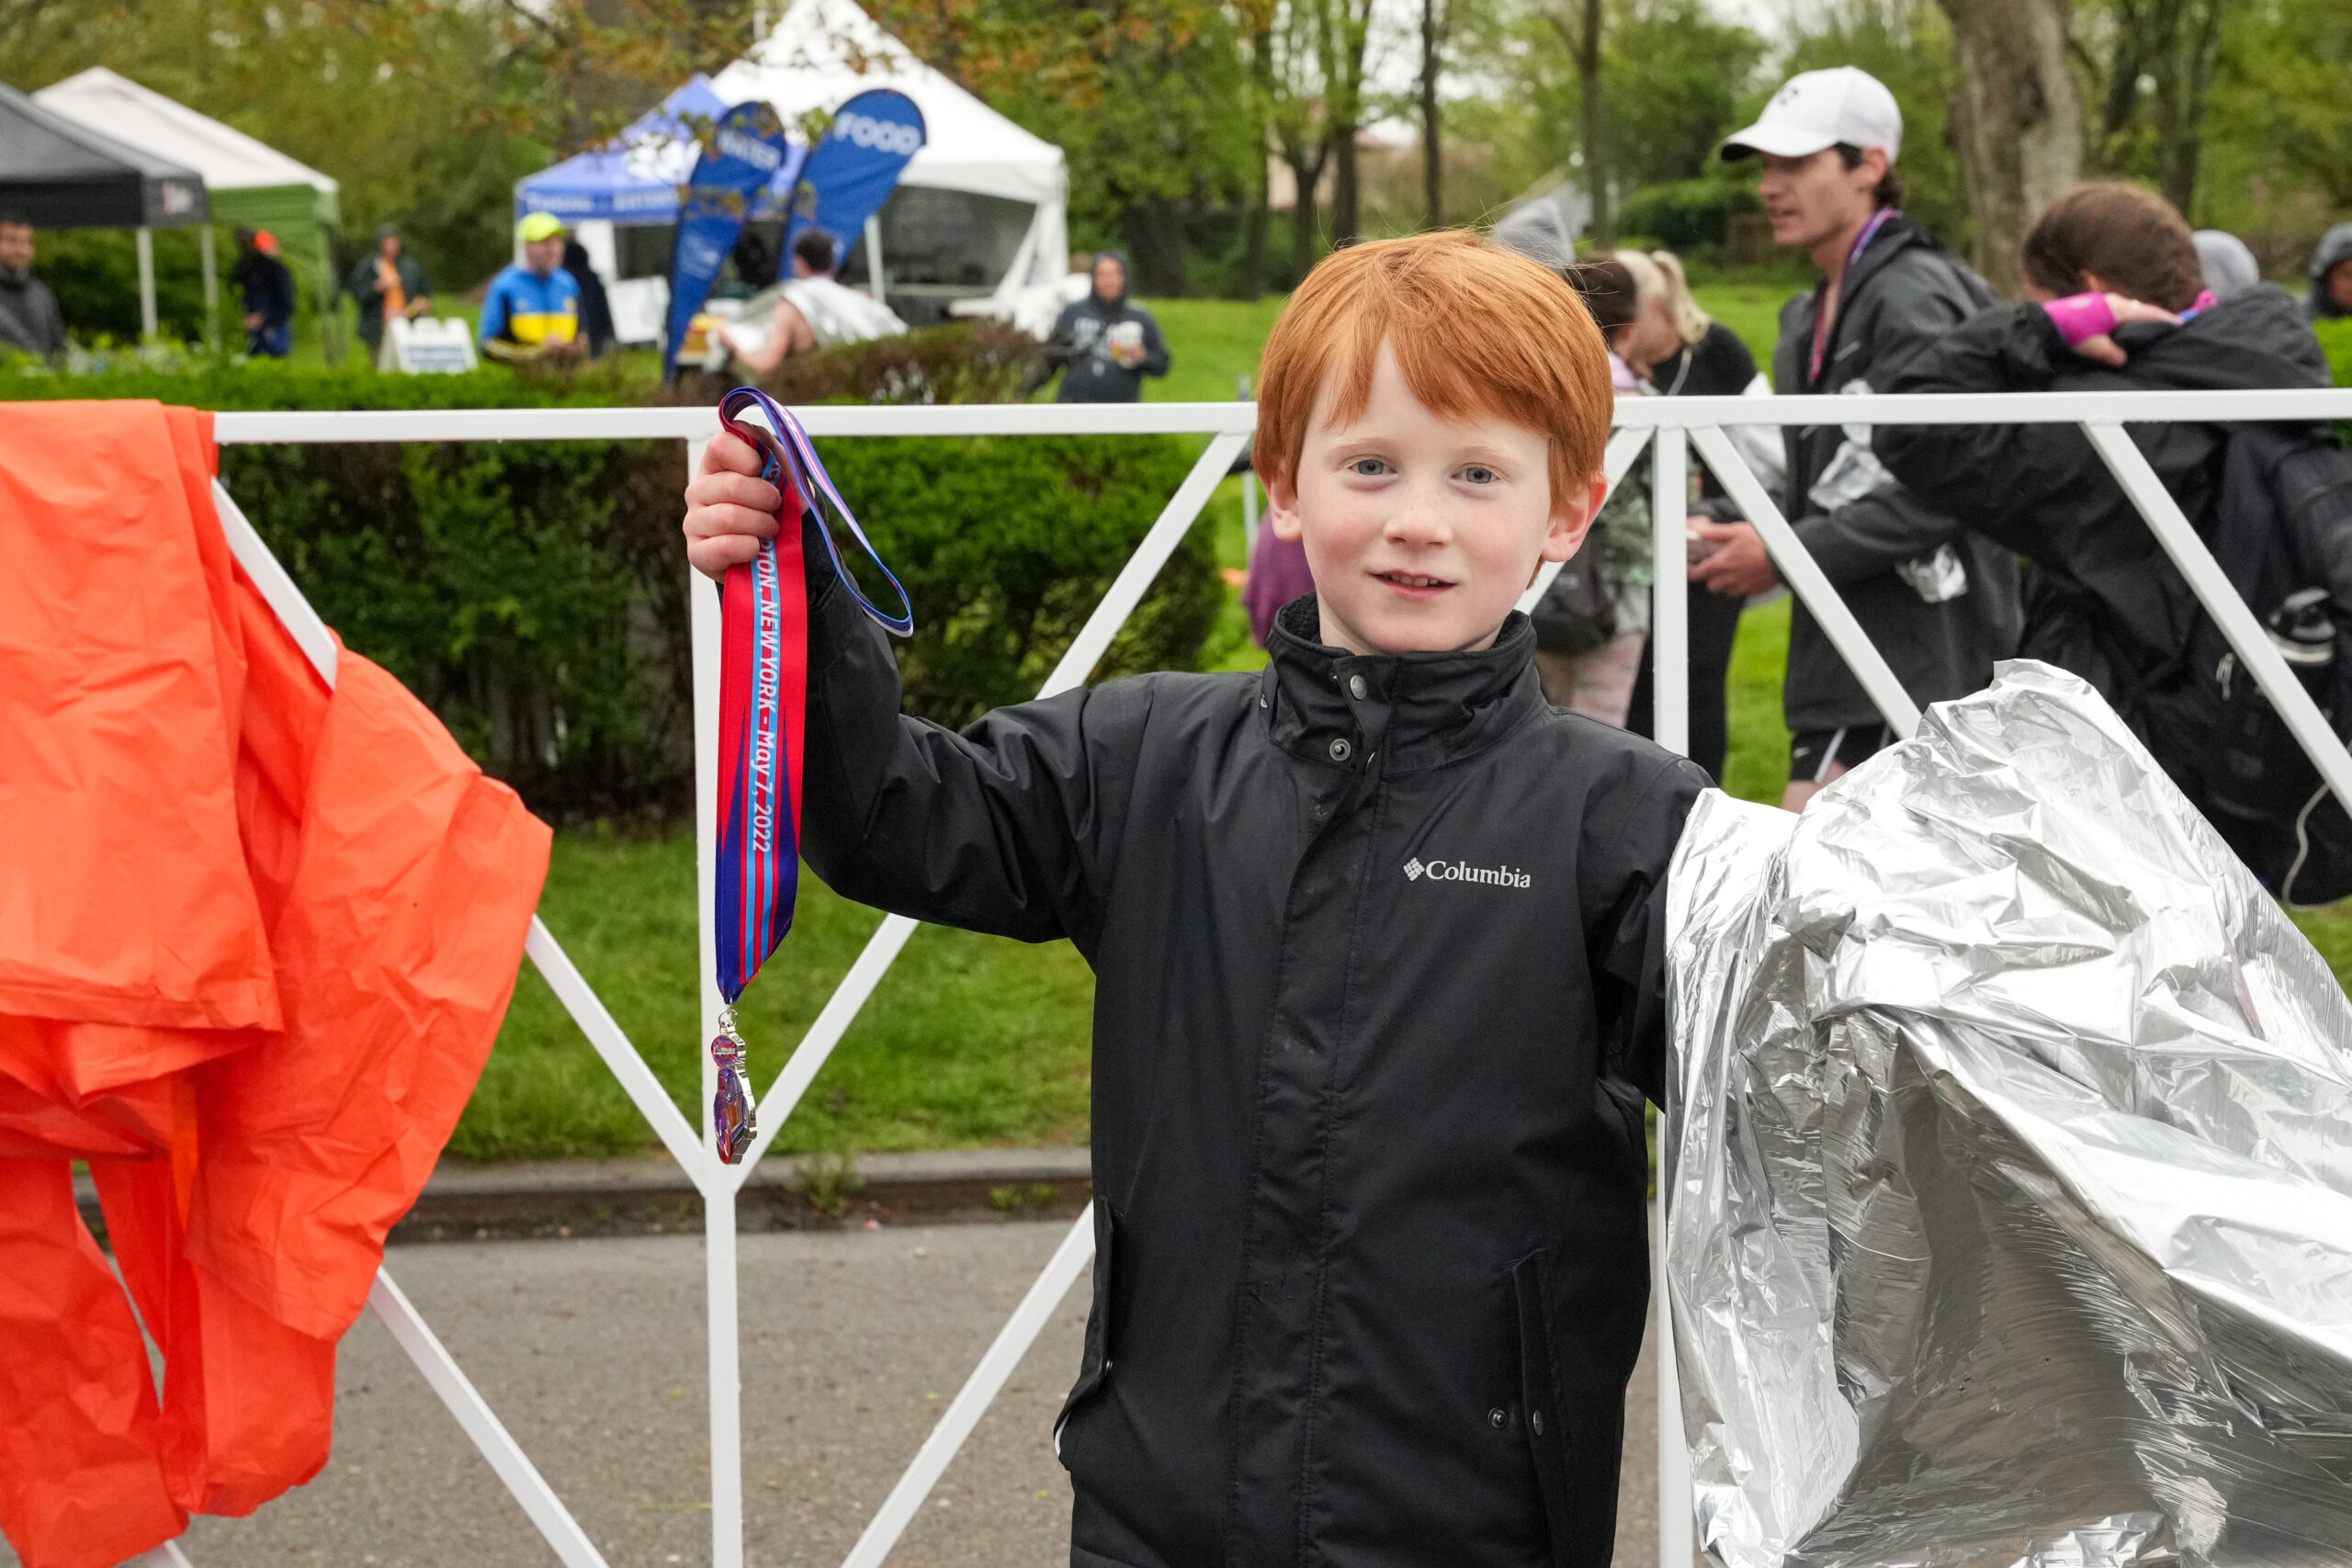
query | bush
(1686,215)
(976,361)
(1005,544)
(533,593)
(95,273)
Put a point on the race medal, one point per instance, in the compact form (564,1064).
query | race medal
(762,709)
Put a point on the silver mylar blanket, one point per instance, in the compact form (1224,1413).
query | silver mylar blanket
(2010,1164)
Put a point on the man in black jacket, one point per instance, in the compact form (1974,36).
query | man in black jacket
(1378,939)
(1104,346)
(1940,602)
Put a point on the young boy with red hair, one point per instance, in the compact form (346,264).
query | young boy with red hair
(1377,936)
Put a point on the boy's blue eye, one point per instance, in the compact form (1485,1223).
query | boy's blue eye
(1370,468)
(1478,474)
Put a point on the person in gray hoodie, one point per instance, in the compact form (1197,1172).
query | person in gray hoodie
(1104,345)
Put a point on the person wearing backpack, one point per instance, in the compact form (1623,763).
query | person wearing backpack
(2119,303)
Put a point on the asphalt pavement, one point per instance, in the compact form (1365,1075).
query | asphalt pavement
(591,1351)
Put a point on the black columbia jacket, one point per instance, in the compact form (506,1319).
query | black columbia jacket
(1903,294)
(2105,600)
(1378,943)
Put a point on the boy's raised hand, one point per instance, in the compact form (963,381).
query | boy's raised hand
(730,509)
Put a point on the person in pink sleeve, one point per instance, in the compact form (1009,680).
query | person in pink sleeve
(2118,302)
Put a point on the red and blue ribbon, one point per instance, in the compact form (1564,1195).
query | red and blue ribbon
(762,696)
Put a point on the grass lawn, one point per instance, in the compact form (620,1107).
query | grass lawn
(970,1040)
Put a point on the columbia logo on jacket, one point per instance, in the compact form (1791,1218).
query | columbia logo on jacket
(1463,870)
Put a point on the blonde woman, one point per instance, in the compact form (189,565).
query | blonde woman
(1646,311)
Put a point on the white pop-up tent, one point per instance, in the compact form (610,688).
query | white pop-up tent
(251,183)
(981,215)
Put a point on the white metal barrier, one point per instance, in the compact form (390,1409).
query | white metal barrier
(1669,427)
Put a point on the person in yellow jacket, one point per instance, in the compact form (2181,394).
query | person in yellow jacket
(532,311)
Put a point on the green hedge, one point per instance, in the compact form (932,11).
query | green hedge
(1687,214)
(534,593)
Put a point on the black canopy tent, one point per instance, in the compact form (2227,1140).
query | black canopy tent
(57,174)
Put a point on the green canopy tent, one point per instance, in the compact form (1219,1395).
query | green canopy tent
(251,183)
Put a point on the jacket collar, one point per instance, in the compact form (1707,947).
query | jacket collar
(1896,235)
(1417,710)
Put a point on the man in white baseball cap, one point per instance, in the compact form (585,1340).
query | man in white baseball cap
(1940,602)
(1817,109)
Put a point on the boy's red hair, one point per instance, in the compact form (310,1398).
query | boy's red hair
(1477,329)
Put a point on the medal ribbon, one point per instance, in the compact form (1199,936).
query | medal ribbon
(762,711)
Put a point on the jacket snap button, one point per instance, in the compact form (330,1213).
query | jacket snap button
(1498,1418)
(1340,749)
(1535,1420)
(1356,687)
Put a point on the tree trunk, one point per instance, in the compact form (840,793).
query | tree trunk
(2016,122)
(1595,128)
(1250,278)
(2122,97)
(2180,102)
(1433,156)
(1156,234)
(1305,173)
(1346,195)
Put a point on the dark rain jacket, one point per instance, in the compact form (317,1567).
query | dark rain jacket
(1903,294)
(1378,947)
(1078,347)
(2104,600)
(265,287)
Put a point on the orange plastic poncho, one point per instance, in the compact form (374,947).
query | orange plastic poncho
(257,935)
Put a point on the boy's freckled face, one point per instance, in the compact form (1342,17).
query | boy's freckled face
(1422,531)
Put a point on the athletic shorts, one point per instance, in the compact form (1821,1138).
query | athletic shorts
(1812,752)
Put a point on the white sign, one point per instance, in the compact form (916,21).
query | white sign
(426,346)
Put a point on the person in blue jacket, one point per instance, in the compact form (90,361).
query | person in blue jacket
(532,311)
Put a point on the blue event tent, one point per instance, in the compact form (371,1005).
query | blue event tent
(636,177)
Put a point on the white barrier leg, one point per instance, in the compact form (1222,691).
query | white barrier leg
(1673,1499)
(489,1434)
(719,1285)
(1670,710)
(972,1400)
(1670,598)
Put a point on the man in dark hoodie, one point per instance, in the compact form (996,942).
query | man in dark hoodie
(1940,604)
(1105,345)
(2118,304)
(2331,296)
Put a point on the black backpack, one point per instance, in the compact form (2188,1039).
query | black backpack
(2282,533)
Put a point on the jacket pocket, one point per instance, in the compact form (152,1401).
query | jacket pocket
(1094,1366)
(1550,1442)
